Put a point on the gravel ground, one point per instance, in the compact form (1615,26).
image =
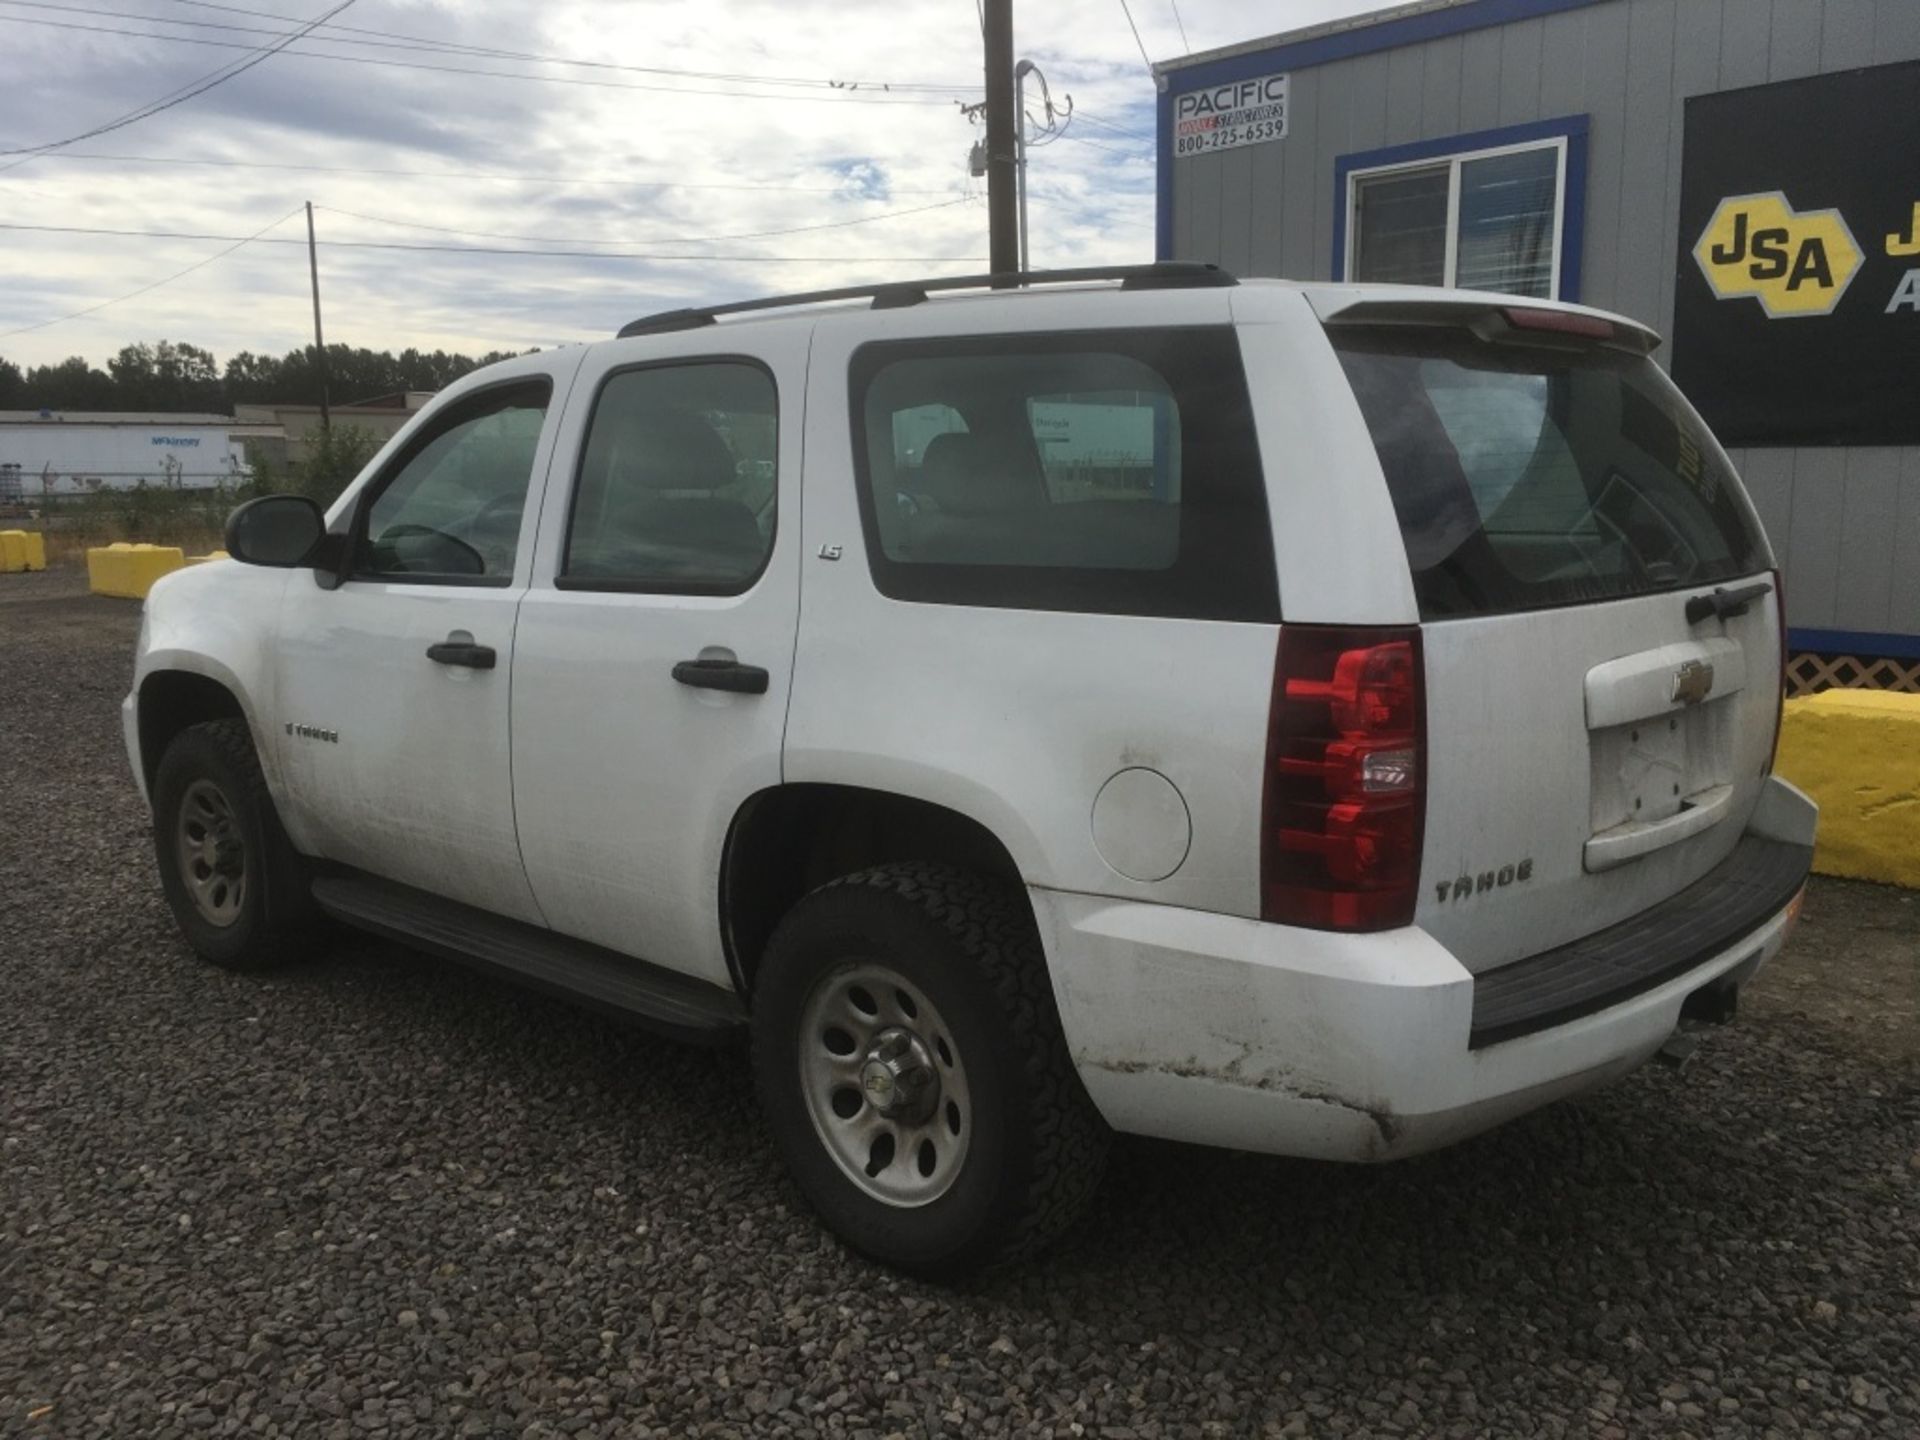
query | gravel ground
(379,1195)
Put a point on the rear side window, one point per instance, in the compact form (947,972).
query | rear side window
(676,483)
(1526,477)
(1103,471)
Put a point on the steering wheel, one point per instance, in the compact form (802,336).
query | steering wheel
(507,507)
(471,561)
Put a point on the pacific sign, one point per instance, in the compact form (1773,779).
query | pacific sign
(1244,112)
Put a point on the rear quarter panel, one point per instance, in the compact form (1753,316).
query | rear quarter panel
(1018,718)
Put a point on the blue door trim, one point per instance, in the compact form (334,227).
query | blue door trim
(1854,642)
(1303,54)
(1573,128)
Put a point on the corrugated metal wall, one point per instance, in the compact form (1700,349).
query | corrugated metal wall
(1847,520)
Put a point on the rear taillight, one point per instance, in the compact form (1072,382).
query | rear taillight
(1779,700)
(1345,796)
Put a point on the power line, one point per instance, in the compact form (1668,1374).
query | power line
(397,40)
(1085,118)
(188,91)
(644,240)
(1185,44)
(836,97)
(136,294)
(1106,149)
(522,177)
(496,250)
(1127,10)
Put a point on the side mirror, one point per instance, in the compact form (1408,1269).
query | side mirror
(276,530)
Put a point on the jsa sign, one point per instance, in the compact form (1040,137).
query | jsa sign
(1793,264)
(1244,112)
(1796,317)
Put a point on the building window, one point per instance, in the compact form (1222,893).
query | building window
(1481,212)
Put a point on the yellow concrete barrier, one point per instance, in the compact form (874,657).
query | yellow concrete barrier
(22,550)
(129,571)
(1857,752)
(210,555)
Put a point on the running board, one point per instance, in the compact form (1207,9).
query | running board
(664,1000)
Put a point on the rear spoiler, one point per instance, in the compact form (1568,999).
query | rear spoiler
(1493,318)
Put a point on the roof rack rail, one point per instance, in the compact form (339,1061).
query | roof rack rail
(897,294)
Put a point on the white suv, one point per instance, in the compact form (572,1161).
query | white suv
(1324,720)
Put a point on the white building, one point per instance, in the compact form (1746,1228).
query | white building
(51,454)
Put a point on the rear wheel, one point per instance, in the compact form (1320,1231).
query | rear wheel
(910,1061)
(232,878)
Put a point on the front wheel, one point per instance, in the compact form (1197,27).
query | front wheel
(910,1061)
(236,886)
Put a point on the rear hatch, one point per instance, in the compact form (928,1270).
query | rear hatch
(1600,622)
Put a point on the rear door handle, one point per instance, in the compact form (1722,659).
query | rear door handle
(717,674)
(459,649)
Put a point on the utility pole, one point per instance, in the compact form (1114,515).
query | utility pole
(319,340)
(1003,222)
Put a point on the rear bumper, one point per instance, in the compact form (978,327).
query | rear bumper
(1759,879)
(1225,1031)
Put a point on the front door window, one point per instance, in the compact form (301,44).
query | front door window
(451,510)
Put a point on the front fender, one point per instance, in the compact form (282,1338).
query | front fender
(219,621)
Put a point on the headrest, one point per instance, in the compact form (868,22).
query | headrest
(668,450)
(956,472)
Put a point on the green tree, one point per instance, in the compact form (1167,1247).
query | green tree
(166,376)
(329,459)
(71,385)
(170,375)
(251,379)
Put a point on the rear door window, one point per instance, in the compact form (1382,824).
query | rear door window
(1526,477)
(676,483)
(1096,472)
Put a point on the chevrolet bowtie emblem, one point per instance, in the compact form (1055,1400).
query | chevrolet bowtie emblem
(1692,682)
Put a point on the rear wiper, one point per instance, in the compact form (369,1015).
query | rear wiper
(1725,603)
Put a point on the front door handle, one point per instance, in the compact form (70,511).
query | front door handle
(722,674)
(459,649)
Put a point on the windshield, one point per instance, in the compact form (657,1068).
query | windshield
(1527,476)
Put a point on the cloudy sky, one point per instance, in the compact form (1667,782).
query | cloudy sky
(695,129)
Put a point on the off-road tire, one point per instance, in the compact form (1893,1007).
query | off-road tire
(277,921)
(1038,1147)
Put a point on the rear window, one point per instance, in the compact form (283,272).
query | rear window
(1107,471)
(1527,476)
